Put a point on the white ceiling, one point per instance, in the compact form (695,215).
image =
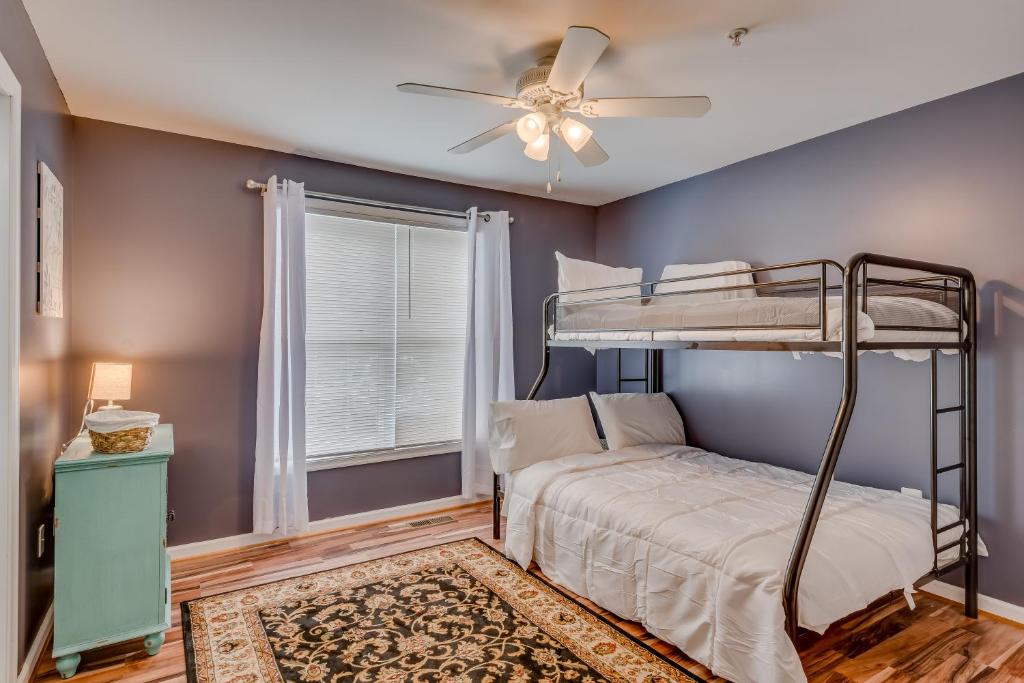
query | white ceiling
(318,77)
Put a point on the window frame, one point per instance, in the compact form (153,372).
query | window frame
(389,216)
(335,460)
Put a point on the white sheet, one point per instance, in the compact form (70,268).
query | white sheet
(672,313)
(681,270)
(694,546)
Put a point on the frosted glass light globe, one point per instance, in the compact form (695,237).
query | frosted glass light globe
(531,127)
(538,149)
(575,134)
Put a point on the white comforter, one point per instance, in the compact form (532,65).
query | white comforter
(694,546)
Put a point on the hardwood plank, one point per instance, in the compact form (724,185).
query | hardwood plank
(870,633)
(934,657)
(885,642)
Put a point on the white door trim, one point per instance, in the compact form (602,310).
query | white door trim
(10,335)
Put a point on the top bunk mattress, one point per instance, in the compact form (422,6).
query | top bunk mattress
(753,319)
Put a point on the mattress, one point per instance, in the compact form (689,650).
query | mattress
(671,318)
(694,546)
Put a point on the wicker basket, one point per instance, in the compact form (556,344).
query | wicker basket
(125,441)
(121,431)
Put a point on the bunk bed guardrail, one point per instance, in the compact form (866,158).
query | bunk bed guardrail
(947,284)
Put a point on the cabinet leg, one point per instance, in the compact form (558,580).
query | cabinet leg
(153,642)
(68,665)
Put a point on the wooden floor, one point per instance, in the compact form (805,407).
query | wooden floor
(935,642)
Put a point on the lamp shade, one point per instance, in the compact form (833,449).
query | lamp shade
(111,381)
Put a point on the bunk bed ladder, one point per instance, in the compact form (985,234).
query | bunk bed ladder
(959,466)
(652,371)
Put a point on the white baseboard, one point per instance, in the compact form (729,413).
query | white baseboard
(1000,608)
(218,545)
(35,651)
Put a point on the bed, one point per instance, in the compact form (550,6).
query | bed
(694,546)
(726,558)
(888,319)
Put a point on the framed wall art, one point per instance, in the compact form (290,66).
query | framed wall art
(50,254)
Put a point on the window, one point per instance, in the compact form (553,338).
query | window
(385,335)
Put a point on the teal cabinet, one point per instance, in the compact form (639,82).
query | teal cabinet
(112,573)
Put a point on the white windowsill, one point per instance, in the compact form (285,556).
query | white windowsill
(330,462)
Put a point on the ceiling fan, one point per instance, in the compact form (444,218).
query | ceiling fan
(554,88)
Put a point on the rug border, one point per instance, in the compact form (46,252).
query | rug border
(561,591)
(186,615)
(186,639)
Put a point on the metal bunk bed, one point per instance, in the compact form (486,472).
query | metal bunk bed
(954,287)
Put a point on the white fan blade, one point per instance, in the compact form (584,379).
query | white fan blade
(580,50)
(485,137)
(688,107)
(438,91)
(591,154)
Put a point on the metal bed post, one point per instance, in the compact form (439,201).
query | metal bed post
(496,505)
(654,372)
(618,370)
(547,316)
(545,363)
(823,302)
(833,446)
(933,394)
(970,379)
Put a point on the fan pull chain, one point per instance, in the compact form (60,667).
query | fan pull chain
(549,173)
(558,161)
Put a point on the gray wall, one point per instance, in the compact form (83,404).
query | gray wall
(168,275)
(942,182)
(46,136)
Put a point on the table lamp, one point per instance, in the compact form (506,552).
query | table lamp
(110,382)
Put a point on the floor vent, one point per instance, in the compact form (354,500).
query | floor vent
(431,521)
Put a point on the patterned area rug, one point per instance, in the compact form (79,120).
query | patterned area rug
(454,613)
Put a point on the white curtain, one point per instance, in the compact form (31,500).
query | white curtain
(279,487)
(489,374)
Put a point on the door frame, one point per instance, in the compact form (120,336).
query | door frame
(10,339)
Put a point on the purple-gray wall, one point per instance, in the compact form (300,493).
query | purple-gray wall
(942,182)
(168,275)
(45,136)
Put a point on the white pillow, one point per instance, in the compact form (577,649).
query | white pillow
(689,269)
(526,432)
(575,274)
(636,419)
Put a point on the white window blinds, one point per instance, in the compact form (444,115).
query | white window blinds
(385,335)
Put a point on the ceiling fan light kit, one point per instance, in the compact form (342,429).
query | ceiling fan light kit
(531,127)
(554,87)
(538,149)
(575,133)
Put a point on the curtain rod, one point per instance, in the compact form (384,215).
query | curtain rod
(262,187)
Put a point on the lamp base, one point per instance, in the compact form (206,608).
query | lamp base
(111,406)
